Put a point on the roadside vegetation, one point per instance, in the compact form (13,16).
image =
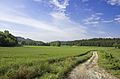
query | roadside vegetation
(109,59)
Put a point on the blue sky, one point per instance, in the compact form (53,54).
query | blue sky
(50,20)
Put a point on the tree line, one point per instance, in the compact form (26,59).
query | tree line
(7,39)
(100,42)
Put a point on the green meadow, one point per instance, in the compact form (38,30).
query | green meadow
(47,62)
(109,59)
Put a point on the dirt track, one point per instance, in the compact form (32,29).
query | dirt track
(90,70)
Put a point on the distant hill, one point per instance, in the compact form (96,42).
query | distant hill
(20,39)
(28,41)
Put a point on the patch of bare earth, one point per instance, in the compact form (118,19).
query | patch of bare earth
(90,70)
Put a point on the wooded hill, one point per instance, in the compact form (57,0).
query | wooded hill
(7,39)
(23,41)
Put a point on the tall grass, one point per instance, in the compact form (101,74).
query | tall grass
(109,60)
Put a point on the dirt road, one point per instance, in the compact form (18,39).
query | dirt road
(90,70)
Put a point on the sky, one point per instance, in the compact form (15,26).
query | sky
(50,20)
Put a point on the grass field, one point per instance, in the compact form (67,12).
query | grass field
(31,62)
(109,59)
(39,62)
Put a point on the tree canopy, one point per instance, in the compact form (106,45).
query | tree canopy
(7,39)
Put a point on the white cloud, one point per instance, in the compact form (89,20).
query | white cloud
(59,5)
(28,22)
(117,18)
(60,19)
(72,30)
(59,15)
(47,32)
(93,19)
(113,2)
(60,8)
(59,28)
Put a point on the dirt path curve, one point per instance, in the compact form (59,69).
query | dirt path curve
(90,70)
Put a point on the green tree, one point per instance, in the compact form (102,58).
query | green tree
(7,39)
(58,43)
(115,45)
